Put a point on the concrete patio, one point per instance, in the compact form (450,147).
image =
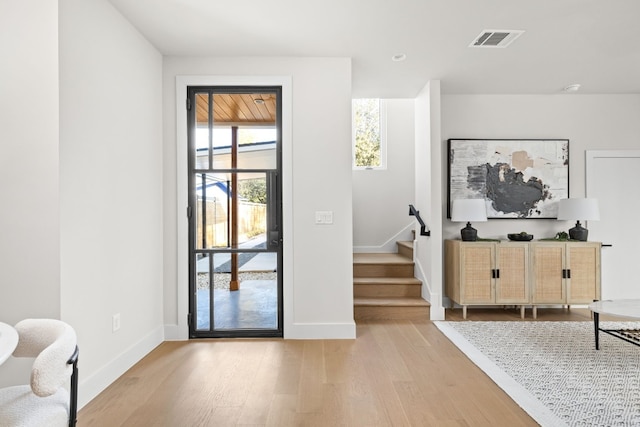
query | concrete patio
(253,306)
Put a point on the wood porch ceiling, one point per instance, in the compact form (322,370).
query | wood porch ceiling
(238,109)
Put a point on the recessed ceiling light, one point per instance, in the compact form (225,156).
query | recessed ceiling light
(258,101)
(399,57)
(572,88)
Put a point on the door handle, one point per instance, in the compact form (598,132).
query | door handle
(274,239)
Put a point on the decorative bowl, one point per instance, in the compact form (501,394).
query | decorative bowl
(520,237)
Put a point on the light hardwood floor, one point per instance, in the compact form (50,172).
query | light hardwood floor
(396,373)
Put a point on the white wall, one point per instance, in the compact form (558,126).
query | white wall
(29,247)
(110,189)
(318,270)
(381,198)
(428,195)
(590,122)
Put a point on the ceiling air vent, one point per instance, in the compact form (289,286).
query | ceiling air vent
(495,38)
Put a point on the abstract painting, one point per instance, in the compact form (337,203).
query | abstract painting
(517,178)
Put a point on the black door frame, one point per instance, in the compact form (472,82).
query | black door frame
(274,212)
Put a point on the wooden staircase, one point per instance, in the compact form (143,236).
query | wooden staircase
(384,286)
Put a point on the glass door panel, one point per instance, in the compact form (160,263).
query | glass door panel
(253,307)
(217,208)
(235,224)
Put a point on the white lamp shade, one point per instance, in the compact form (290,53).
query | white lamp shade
(578,209)
(468,210)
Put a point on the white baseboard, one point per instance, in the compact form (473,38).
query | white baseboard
(90,387)
(175,333)
(291,331)
(320,331)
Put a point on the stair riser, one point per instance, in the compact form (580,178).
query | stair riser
(382,270)
(381,290)
(384,287)
(390,313)
(405,251)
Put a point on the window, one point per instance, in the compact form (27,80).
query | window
(369,133)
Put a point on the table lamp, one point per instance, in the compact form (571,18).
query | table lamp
(578,209)
(467,210)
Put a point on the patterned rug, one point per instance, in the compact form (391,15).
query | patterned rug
(552,370)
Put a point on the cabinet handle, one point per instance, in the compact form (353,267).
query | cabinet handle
(568,273)
(497,273)
(493,273)
(564,273)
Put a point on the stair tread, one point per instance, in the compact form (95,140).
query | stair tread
(408,243)
(386,281)
(380,258)
(390,301)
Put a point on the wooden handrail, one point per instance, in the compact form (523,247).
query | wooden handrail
(423,226)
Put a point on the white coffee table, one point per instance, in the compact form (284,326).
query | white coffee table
(629,308)
(8,341)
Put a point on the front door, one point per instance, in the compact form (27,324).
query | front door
(235,224)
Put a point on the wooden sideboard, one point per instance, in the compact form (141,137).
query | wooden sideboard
(522,273)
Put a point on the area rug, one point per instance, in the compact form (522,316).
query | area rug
(552,370)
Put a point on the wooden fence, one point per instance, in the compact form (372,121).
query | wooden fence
(252,221)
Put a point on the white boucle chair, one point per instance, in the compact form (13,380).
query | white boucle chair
(46,401)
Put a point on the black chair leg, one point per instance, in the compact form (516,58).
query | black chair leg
(73,398)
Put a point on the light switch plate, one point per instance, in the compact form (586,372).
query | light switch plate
(324,217)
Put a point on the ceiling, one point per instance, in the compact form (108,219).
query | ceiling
(590,42)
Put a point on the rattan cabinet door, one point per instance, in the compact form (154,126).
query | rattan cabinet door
(548,264)
(583,264)
(477,261)
(512,278)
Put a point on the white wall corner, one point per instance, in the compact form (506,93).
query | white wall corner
(428,193)
(174,333)
(436,311)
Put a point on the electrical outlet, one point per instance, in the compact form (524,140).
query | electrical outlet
(116,322)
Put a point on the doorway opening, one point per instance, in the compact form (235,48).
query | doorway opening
(235,211)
